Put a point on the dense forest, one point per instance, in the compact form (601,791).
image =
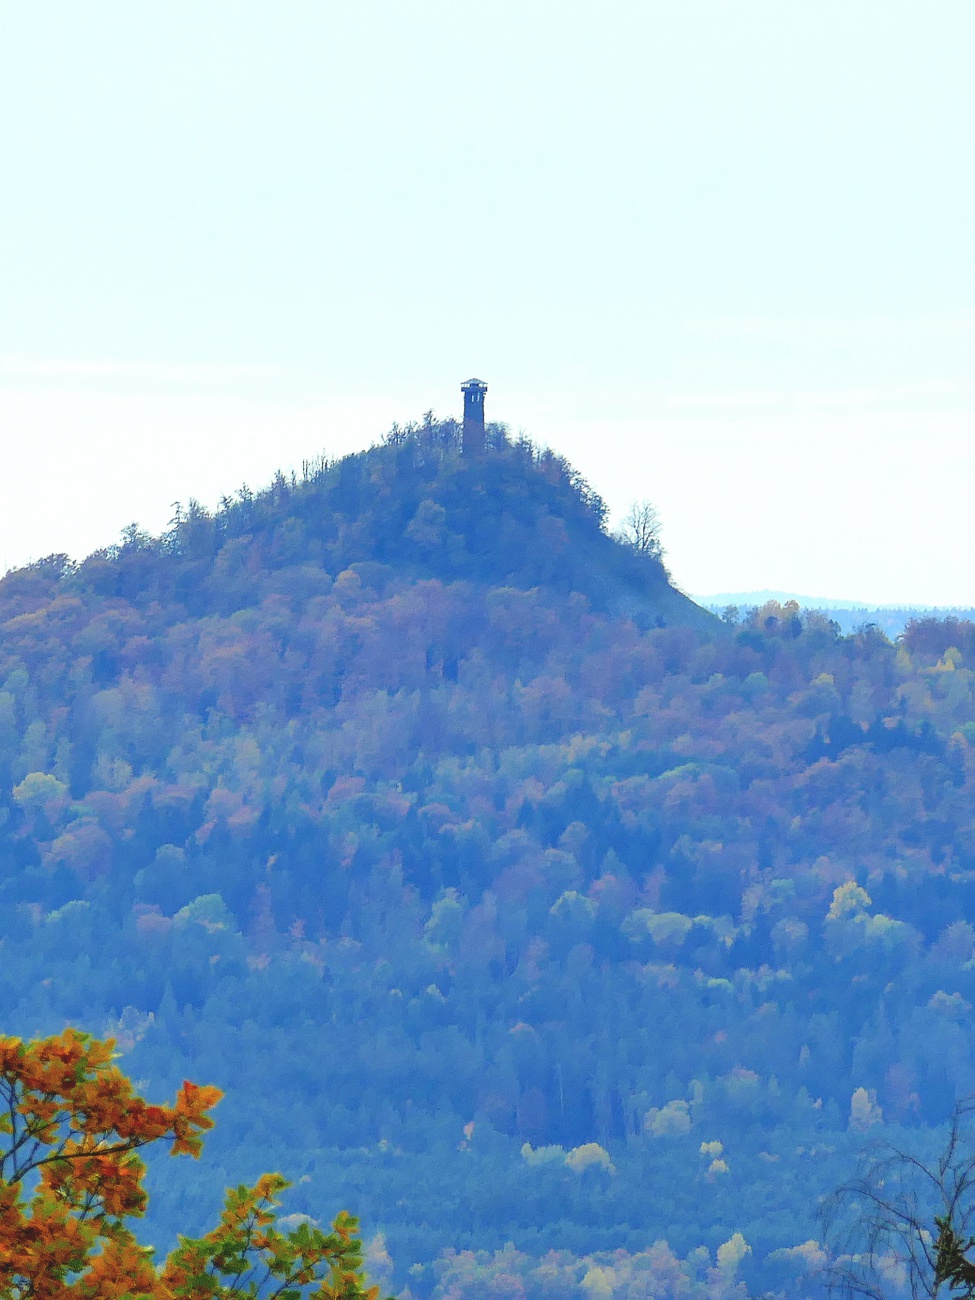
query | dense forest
(572,937)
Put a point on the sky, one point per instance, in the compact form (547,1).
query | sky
(719,253)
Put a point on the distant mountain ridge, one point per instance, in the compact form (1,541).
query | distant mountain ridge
(849,615)
(751,599)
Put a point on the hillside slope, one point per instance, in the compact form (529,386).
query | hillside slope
(500,916)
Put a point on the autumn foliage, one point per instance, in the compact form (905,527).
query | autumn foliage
(381,798)
(71,1125)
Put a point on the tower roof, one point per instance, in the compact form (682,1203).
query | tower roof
(473,383)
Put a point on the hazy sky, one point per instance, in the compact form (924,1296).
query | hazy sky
(721,253)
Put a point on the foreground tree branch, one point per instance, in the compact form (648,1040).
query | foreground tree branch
(903,1225)
(70,1180)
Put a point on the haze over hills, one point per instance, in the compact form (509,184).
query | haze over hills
(752,599)
(848,614)
(511,897)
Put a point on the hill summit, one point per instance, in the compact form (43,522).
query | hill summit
(411,507)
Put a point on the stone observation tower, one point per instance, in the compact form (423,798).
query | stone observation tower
(473,390)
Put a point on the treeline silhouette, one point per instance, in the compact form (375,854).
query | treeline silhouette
(411,506)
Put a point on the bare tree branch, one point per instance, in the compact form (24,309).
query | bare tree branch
(641,530)
(903,1225)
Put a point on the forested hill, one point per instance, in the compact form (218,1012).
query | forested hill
(408,509)
(506,917)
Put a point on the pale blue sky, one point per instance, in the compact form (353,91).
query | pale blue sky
(719,252)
